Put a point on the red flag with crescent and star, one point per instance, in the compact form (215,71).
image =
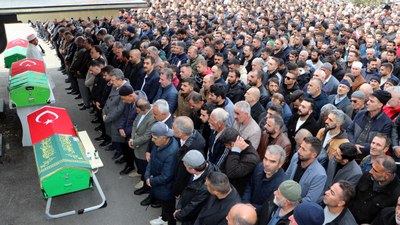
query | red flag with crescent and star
(48,121)
(17,42)
(27,64)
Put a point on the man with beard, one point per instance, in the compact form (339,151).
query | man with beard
(195,104)
(274,135)
(280,208)
(305,169)
(314,91)
(303,119)
(235,87)
(386,73)
(255,79)
(151,79)
(248,57)
(218,97)
(205,129)
(252,96)
(208,80)
(391,57)
(137,73)
(336,200)
(377,189)
(289,85)
(266,178)
(372,69)
(187,87)
(333,134)
(315,59)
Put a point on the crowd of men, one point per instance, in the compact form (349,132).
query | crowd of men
(245,112)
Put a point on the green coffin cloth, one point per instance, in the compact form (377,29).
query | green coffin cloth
(14,54)
(28,75)
(29,89)
(62,165)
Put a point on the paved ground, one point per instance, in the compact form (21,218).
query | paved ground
(21,201)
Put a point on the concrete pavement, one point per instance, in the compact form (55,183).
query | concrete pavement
(20,195)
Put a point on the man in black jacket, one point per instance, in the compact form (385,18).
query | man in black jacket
(376,189)
(223,197)
(303,119)
(195,193)
(190,139)
(241,160)
(235,87)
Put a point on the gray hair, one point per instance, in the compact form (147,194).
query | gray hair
(184,124)
(168,72)
(108,37)
(301,134)
(277,150)
(395,89)
(258,61)
(326,109)
(278,121)
(339,114)
(220,115)
(243,106)
(153,49)
(162,106)
(322,73)
(119,75)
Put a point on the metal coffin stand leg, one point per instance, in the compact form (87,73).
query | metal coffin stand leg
(80,211)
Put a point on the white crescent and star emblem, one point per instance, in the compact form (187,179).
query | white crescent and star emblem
(48,121)
(30,63)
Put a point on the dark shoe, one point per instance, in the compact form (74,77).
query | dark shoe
(101,138)
(146,201)
(61,68)
(120,161)
(64,72)
(142,190)
(67,81)
(98,128)
(78,97)
(80,104)
(84,107)
(72,92)
(93,111)
(156,204)
(126,170)
(97,120)
(105,143)
(68,88)
(109,148)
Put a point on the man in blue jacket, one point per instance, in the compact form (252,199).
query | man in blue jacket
(367,123)
(160,172)
(167,90)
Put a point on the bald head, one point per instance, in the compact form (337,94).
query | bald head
(241,214)
(252,95)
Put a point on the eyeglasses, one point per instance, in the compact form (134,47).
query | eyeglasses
(289,78)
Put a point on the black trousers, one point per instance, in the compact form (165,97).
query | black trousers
(167,211)
(128,154)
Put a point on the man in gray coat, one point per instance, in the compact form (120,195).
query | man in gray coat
(141,139)
(305,169)
(112,111)
(343,166)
